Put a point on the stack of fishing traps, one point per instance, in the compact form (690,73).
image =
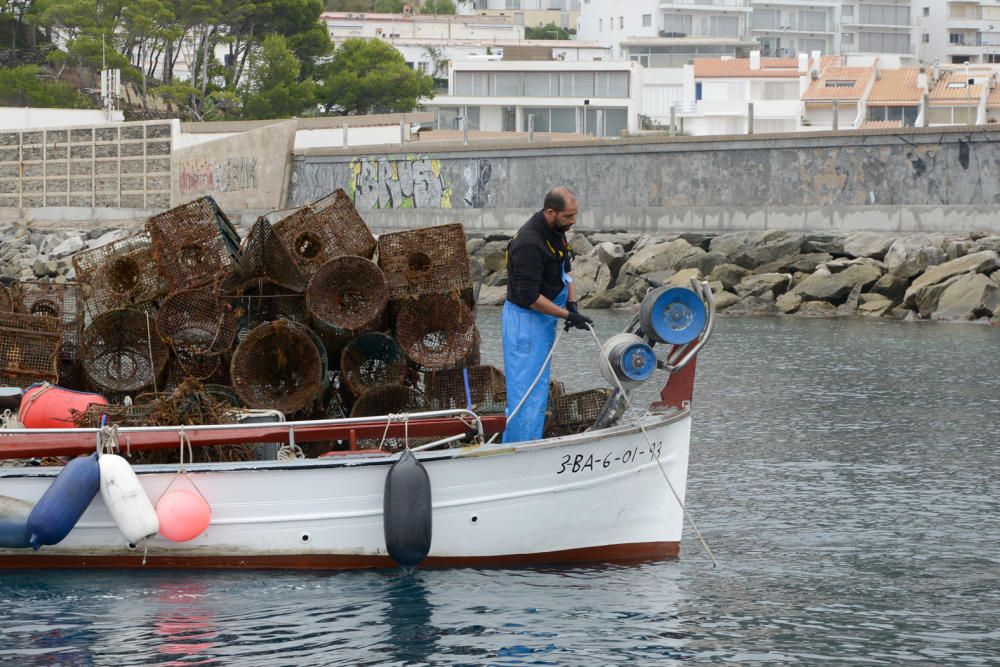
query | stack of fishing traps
(310,316)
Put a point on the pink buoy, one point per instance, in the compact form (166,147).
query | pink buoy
(183,515)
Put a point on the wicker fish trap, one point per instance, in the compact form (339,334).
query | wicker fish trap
(61,301)
(327,228)
(265,256)
(6,300)
(455,387)
(437,331)
(426,261)
(390,399)
(194,244)
(196,321)
(29,349)
(117,275)
(572,413)
(348,295)
(121,352)
(278,366)
(370,360)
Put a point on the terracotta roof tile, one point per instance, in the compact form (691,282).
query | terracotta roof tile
(881,124)
(739,68)
(896,86)
(962,94)
(857,76)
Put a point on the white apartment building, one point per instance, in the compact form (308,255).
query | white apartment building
(372,25)
(597,98)
(432,56)
(958,32)
(786,28)
(878,28)
(536,5)
(667,33)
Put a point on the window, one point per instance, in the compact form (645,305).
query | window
(956,86)
(541,119)
(884,42)
(927,11)
(956,38)
(576,84)
(647,20)
(541,84)
(720,26)
(833,83)
(472,84)
(611,84)
(847,12)
(925,38)
(447,118)
(766,19)
(906,114)
(847,38)
(676,25)
(812,21)
(600,25)
(810,45)
(621,22)
(472,117)
(562,120)
(884,14)
(508,84)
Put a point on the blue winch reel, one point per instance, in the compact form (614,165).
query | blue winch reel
(673,315)
(636,361)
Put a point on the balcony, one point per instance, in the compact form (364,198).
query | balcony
(858,23)
(708,5)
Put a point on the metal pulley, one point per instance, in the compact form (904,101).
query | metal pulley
(674,315)
(628,358)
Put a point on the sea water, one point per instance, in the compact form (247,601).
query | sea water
(843,472)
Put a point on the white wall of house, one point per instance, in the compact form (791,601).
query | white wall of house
(662,88)
(611,22)
(344,25)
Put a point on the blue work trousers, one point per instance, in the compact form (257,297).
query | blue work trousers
(528,336)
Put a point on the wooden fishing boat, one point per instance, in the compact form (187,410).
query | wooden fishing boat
(612,493)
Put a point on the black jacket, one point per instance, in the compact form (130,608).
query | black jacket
(536,259)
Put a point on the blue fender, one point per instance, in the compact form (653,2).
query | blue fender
(62,504)
(14,533)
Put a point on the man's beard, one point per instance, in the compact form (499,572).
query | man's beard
(562,228)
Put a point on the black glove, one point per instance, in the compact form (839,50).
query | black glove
(578,320)
(572,307)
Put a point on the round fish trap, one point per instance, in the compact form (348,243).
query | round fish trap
(186,365)
(437,331)
(262,300)
(278,366)
(197,322)
(389,399)
(121,353)
(370,360)
(348,295)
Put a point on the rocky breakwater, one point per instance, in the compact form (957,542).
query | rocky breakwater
(902,276)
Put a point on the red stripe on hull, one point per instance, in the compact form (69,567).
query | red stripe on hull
(641,551)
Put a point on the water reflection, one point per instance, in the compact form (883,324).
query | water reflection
(184,624)
(412,636)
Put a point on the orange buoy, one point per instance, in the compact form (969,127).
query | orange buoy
(183,515)
(48,406)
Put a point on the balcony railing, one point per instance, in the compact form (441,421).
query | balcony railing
(738,4)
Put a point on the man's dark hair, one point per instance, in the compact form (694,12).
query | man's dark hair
(556,199)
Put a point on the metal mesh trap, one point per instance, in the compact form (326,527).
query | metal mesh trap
(119,274)
(370,360)
(121,352)
(196,321)
(194,244)
(279,366)
(347,295)
(61,301)
(29,349)
(437,331)
(431,260)
(572,413)
(327,228)
(6,300)
(446,389)
(265,256)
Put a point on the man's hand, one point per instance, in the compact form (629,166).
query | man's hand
(572,307)
(578,320)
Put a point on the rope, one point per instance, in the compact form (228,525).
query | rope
(26,405)
(645,435)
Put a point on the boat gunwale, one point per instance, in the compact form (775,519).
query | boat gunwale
(364,458)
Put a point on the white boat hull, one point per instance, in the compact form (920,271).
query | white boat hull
(593,496)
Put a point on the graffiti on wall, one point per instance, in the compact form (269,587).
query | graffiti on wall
(413,182)
(479,174)
(317,180)
(202,174)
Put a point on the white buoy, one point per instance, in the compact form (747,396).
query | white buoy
(126,500)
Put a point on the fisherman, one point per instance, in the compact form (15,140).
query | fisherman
(539,291)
